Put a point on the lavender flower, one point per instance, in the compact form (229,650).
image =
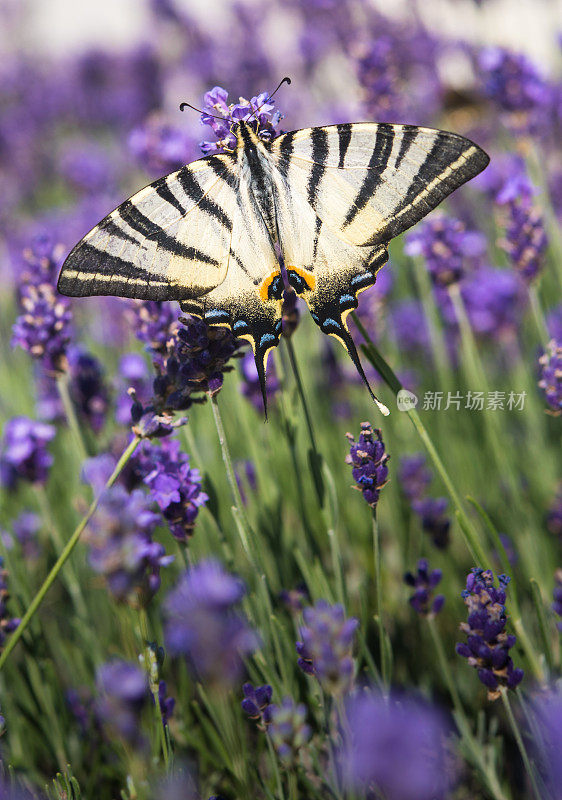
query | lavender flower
(194,364)
(414,476)
(547,746)
(410,326)
(514,83)
(121,546)
(87,388)
(294,599)
(397,744)
(43,327)
(23,455)
(424,582)
(204,626)
(173,484)
(488,645)
(257,703)
(551,377)
(554,322)
(265,123)
(557,597)
(554,515)
(434,519)
(288,729)
(368,457)
(160,146)
(250,385)
(326,647)
(525,238)
(26,528)
(122,694)
(447,247)
(8,624)
(494,301)
(167,703)
(155,324)
(133,374)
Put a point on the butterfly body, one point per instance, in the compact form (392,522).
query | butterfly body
(329,199)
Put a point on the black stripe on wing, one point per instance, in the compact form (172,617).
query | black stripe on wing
(376,166)
(193,190)
(319,139)
(344,132)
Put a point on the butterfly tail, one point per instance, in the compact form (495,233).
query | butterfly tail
(344,337)
(261,360)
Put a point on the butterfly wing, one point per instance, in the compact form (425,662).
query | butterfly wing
(169,241)
(343,191)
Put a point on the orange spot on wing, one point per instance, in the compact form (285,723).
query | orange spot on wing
(265,284)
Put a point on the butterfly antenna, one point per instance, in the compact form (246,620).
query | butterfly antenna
(345,337)
(286,80)
(183,106)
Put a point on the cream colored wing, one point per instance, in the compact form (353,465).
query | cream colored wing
(170,241)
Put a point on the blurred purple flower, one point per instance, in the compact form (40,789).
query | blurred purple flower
(551,377)
(554,515)
(26,528)
(294,599)
(265,123)
(554,322)
(515,84)
(87,166)
(414,475)
(87,389)
(173,485)
(121,547)
(122,693)
(547,745)
(288,729)
(167,703)
(326,649)
(203,625)
(257,703)
(368,458)
(48,403)
(43,327)
(23,454)
(410,326)
(132,374)
(246,478)
(424,582)
(155,324)
(250,386)
(557,597)
(525,238)
(8,624)
(488,645)
(161,146)
(494,301)
(447,247)
(397,744)
(434,520)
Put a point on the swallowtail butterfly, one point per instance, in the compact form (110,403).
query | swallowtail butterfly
(329,199)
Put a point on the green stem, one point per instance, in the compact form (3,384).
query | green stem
(65,554)
(300,389)
(70,413)
(378,589)
(245,531)
(519,740)
(538,315)
(149,661)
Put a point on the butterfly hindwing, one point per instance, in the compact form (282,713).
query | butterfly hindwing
(169,241)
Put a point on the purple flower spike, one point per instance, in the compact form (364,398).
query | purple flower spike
(397,744)
(424,582)
(447,247)
(121,546)
(414,476)
(326,647)
(288,729)
(87,387)
(173,484)
(43,327)
(525,238)
(487,646)
(265,121)
(257,703)
(368,458)
(122,694)
(551,377)
(204,626)
(434,520)
(23,454)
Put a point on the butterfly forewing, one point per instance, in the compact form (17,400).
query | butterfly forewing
(368,181)
(170,241)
